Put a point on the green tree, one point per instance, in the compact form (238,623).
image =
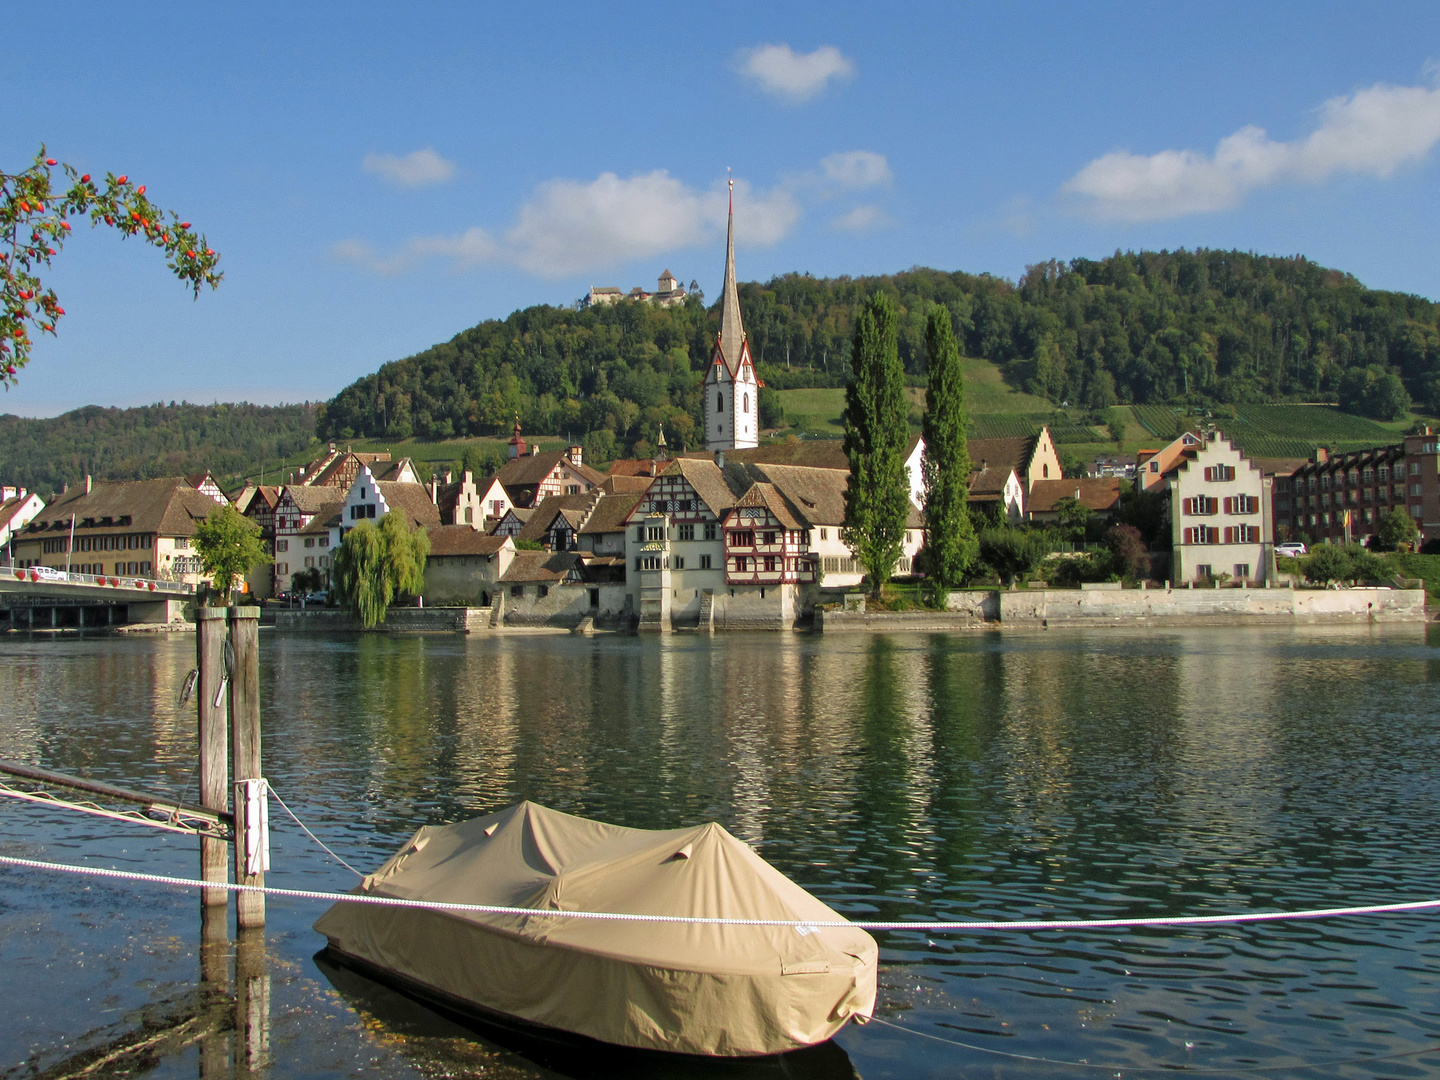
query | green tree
(229,547)
(374,564)
(1396,529)
(1013,553)
(306,581)
(945,466)
(1074,517)
(877,500)
(34,225)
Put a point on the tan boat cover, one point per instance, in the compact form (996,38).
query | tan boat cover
(695,989)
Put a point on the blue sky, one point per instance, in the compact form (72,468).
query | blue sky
(380,177)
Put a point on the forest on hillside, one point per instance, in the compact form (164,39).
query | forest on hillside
(1198,328)
(151,440)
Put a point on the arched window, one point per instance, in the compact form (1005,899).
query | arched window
(747,403)
(719,402)
(469,515)
(1045,469)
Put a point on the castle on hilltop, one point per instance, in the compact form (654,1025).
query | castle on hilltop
(668,292)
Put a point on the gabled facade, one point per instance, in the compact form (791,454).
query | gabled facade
(206,485)
(532,474)
(1220,515)
(764,544)
(1151,466)
(301,514)
(740,541)
(732,392)
(19,508)
(372,500)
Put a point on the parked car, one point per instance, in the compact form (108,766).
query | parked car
(1293,549)
(49,573)
(319,599)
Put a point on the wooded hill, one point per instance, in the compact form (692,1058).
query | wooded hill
(152,440)
(1199,328)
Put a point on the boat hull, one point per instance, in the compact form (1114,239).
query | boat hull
(612,999)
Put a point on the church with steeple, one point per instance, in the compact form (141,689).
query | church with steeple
(732,392)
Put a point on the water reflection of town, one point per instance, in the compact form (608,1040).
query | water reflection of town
(897,764)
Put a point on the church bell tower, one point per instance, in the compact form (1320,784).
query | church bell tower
(732,392)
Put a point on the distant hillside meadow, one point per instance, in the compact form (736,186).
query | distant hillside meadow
(1112,354)
(1193,329)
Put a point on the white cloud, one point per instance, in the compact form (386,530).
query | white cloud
(415,169)
(861,219)
(569,227)
(857,169)
(1372,132)
(779,70)
(467,249)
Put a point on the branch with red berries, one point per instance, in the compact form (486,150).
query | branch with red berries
(34,225)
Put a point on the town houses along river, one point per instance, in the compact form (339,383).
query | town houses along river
(1064,774)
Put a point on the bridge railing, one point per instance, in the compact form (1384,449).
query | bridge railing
(50,575)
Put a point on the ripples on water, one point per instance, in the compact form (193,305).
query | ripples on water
(1060,775)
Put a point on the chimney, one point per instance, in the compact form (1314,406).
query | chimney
(449,476)
(332,447)
(577,455)
(434,489)
(88,484)
(535,450)
(468,479)
(719,459)
(1321,455)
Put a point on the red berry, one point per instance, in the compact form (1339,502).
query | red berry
(209,251)
(109,220)
(121,179)
(85,179)
(49,161)
(184,224)
(9,369)
(59,311)
(140,190)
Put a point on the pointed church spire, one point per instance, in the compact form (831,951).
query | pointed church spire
(732,330)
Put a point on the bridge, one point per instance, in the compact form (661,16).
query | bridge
(41,598)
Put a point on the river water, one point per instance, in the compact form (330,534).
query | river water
(1061,774)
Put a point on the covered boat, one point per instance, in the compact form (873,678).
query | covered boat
(693,988)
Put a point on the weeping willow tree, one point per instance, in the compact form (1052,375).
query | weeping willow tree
(374,564)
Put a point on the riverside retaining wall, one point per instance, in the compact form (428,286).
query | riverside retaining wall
(1144,607)
(397,620)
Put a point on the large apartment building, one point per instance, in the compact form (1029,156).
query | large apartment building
(1343,497)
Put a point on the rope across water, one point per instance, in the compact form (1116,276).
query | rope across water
(622,916)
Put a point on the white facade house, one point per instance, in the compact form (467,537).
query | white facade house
(18,508)
(371,500)
(1220,515)
(732,391)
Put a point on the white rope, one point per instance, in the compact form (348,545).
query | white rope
(276,795)
(703,920)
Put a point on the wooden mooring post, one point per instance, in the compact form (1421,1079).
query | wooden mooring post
(252,826)
(227,644)
(212,702)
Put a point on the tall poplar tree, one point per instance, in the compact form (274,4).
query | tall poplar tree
(877,501)
(951,546)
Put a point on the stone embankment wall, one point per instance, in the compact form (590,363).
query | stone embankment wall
(1020,607)
(397,620)
(1144,607)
